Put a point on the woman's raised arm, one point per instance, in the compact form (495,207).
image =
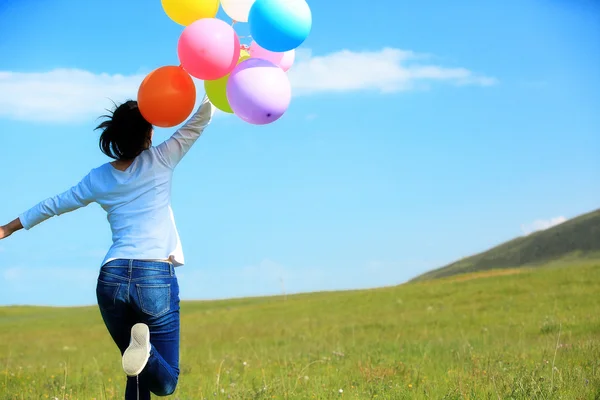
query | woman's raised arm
(176,147)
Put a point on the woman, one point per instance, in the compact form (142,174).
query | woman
(137,290)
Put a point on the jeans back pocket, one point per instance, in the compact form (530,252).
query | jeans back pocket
(155,299)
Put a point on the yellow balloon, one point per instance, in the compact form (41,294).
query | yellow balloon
(244,55)
(184,12)
(216,90)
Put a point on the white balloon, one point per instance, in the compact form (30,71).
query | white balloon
(237,10)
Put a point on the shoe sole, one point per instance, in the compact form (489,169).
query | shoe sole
(137,354)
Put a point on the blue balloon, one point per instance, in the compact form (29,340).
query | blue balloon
(280,25)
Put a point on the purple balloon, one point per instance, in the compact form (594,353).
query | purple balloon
(258,91)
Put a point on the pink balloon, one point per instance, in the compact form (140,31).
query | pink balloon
(282,60)
(208,49)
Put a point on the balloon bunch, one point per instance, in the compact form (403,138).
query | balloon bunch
(249,81)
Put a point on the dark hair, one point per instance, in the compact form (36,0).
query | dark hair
(126,133)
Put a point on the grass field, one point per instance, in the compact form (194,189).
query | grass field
(508,334)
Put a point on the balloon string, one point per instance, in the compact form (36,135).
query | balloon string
(249,38)
(243,46)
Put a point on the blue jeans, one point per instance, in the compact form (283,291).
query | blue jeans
(132,291)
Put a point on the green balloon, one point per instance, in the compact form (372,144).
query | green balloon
(217,93)
(216,90)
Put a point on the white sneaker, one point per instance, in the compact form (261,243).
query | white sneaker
(137,354)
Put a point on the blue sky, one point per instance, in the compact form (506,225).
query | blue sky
(418,134)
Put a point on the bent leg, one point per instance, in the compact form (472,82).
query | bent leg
(119,317)
(159,309)
(162,371)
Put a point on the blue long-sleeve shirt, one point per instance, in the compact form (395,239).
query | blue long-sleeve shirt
(137,200)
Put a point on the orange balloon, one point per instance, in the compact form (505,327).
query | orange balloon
(167,96)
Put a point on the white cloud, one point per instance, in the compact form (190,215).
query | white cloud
(388,70)
(541,224)
(73,95)
(12,274)
(62,95)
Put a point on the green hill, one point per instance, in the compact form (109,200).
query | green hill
(524,334)
(576,238)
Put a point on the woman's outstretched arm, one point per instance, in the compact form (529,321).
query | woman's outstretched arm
(78,196)
(173,149)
